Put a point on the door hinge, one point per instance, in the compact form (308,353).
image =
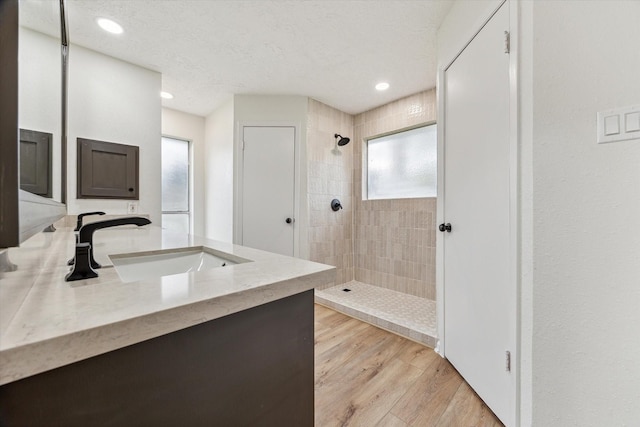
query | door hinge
(508,361)
(507,42)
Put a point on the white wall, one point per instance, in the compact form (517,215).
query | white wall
(39,93)
(218,176)
(586,216)
(190,127)
(115,101)
(267,110)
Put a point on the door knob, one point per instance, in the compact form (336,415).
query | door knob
(288,220)
(445,227)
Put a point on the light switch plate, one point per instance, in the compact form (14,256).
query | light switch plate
(132,207)
(620,124)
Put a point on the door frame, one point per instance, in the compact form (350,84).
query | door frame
(238,183)
(515,231)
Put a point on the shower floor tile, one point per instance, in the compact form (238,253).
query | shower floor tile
(404,314)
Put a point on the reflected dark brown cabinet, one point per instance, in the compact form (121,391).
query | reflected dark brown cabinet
(107,170)
(35,162)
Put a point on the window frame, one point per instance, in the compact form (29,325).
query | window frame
(365,160)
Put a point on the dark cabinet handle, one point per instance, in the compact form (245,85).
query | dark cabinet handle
(131,189)
(445,227)
(288,220)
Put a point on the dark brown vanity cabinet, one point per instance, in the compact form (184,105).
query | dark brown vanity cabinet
(251,368)
(107,170)
(35,162)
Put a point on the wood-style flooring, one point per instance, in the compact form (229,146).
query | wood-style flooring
(365,376)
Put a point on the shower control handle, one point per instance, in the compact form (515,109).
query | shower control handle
(445,227)
(288,220)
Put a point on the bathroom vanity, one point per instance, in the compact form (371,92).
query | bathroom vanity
(230,345)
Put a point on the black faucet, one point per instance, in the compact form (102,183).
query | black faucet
(78,226)
(84,265)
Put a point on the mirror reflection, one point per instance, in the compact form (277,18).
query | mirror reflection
(39,115)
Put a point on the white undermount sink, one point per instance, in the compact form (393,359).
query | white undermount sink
(149,265)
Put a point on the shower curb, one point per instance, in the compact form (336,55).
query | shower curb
(376,319)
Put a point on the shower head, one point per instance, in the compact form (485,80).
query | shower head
(343,140)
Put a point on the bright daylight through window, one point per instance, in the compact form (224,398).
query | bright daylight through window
(175,185)
(402,165)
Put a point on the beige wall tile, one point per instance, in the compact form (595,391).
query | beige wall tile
(393,239)
(329,176)
(388,243)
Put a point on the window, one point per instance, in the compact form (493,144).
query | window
(402,165)
(175,185)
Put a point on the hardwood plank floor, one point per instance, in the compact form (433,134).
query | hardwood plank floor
(365,376)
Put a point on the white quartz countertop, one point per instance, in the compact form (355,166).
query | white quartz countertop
(46,322)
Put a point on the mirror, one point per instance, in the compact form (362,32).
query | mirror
(41,117)
(40,99)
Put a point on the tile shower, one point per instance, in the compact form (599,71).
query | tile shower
(384,250)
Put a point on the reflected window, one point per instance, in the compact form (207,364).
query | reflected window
(176,215)
(402,165)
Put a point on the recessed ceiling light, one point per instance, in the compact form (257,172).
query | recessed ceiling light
(382,86)
(166,95)
(110,26)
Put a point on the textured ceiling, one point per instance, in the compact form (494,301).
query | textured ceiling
(333,51)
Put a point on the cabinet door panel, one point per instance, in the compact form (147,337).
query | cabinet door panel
(35,162)
(107,170)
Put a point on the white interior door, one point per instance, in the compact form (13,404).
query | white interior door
(268,188)
(479,298)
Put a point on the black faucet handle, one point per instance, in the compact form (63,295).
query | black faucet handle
(81,216)
(82,267)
